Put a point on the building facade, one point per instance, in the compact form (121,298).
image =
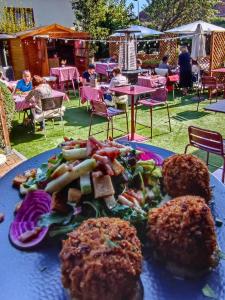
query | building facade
(44,12)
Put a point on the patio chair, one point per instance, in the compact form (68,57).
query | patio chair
(158,98)
(99,108)
(52,108)
(209,141)
(209,84)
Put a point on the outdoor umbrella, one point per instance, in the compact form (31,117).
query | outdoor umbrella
(141,31)
(198,43)
(191,28)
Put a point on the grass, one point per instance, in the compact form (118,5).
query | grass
(183,114)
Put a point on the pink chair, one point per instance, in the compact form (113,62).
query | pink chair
(158,98)
(209,84)
(209,141)
(100,109)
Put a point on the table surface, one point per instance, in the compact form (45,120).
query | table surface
(216,107)
(36,274)
(64,68)
(219,70)
(138,90)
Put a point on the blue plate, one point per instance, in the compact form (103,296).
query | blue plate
(35,275)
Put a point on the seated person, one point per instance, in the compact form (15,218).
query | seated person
(25,84)
(40,91)
(114,58)
(139,64)
(164,64)
(89,75)
(63,62)
(117,80)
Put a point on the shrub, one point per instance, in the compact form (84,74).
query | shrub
(9,106)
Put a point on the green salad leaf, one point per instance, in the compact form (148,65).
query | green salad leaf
(209,292)
(54,218)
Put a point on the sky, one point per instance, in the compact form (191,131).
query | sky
(141,4)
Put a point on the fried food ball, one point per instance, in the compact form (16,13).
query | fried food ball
(185,174)
(101,260)
(182,233)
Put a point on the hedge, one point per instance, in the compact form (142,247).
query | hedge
(9,106)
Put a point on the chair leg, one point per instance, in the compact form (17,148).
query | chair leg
(44,127)
(108,129)
(223,172)
(62,121)
(151,121)
(207,158)
(74,90)
(185,150)
(112,126)
(127,123)
(198,104)
(168,113)
(90,125)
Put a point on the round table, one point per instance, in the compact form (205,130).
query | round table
(26,275)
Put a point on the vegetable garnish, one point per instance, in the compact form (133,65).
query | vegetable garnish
(221,254)
(24,231)
(91,179)
(209,292)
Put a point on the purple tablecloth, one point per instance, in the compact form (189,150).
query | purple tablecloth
(21,104)
(90,93)
(101,68)
(151,81)
(65,73)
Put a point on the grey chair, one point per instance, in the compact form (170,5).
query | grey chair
(52,108)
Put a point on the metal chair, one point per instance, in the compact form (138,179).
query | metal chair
(99,108)
(209,84)
(209,141)
(52,108)
(158,98)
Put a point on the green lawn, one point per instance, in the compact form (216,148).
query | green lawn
(183,113)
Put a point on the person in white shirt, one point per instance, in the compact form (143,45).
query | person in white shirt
(118,80)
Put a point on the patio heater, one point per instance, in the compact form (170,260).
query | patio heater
(128,54)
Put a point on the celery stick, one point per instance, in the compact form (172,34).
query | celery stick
(85,184)
(82,168)
(74,154)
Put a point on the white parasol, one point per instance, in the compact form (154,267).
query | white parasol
(198,43)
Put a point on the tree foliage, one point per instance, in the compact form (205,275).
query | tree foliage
(166,14)
(14,19)
(101,17)
(9,106)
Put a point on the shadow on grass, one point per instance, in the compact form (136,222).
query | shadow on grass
(79,116)
(215,161)
(189,115)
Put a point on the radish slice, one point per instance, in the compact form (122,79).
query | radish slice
(33,206)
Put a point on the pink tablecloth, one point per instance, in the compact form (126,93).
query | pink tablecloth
(65,73)
(151,81)
(101,68)
(21,104)
(90,93)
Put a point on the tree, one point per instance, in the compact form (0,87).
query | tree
(166,14)
(101,17)
(14,19)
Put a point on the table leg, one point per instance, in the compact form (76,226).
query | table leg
(132,131)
